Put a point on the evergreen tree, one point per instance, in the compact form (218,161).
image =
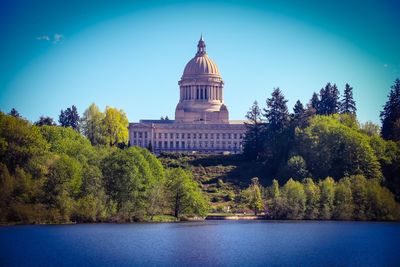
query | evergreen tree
(254,126)
(45,121)
(69,118)
(276,113)
(348,105)
(298,108)
(329,103)
(390,116)
(14,113)
(300,115)
(314,101)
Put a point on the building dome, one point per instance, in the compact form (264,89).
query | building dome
(201,64)
(201,91)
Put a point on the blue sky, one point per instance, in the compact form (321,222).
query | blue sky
(131,54)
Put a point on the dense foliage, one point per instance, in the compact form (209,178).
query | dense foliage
(351,198)
(326,140)
(53,174)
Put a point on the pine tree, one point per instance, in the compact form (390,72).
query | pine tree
(276,113)
(300,116)
(390,116)
(69,118)
(314,101)
(329,100)
(254,127)
(348,105)
(45,121)
(14,113)
(298,109)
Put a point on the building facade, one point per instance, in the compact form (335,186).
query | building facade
(201,118)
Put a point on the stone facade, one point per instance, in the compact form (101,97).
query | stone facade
(201,119)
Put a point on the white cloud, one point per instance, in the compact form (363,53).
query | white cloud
(55,39)
(43,38)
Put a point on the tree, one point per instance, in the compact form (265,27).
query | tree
(278,136)
(296,168)
(253,196)
(14,113)
(300,116)
(390,116)
(185,195)
(298,109)
(348,105)
(253,137)
(92,125)
(329,100)
(63,183)
(45,121)
(115,125)
(276,112)
(295,196)
(359,191)
(331,148)
(314,101)
(69,118)
(20,142)
(343,203)
(370,128)
(277,207)
(313,195)
(327,189)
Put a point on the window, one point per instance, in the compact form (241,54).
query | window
(159,136)
(200,135)
(155,136)
(171,135)
(235,136)
(194,136)
(140,134)
(183,136)
(188,135)
(165,144)
(171,144)
(165,135)
(177,144)
(223,136)
(145,134)
(182,144)
(134,134)
(217,135)
(177,135)
(212,136)
(206,136)
(229,136)
(159,144)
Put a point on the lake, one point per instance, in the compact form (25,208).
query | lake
(208,243)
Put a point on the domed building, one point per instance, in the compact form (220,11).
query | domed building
(201,118)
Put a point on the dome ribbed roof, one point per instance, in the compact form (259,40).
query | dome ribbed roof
(201,64)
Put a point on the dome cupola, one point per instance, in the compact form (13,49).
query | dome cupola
(201,64)
(201,91)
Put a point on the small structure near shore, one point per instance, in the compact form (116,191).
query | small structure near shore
(235,217)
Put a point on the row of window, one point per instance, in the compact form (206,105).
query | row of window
(188,135)
(184,145)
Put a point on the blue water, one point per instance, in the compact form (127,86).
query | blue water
(209,243)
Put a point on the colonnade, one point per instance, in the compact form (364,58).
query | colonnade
(201,92)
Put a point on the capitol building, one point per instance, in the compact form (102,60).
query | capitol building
(201,118)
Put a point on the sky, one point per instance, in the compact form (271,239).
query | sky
(131,54)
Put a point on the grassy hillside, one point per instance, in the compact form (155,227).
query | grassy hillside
(221,176)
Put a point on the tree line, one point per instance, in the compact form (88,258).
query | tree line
(324,139)
(83,171)
(351,198)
